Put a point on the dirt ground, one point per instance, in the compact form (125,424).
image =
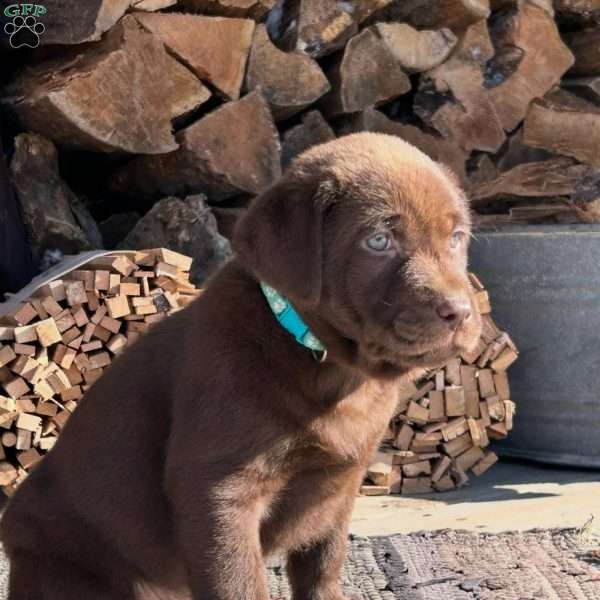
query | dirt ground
(510,496)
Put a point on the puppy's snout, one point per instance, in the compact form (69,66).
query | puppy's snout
(454,311)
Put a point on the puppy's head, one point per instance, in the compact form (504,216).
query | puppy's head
(368,238)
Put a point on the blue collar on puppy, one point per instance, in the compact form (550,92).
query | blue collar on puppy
(292,322)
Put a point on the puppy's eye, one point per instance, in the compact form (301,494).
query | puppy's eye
(458,237)
(380,242)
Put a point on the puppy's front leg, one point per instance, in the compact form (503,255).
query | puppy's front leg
(219,538)
(314,572)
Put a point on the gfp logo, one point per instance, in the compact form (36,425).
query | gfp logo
(24,29)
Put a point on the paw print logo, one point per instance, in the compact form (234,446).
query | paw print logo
(24,31)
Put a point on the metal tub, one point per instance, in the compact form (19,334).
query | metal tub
(544,284)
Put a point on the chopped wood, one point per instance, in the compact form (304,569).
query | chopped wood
(430,14)
(416,485)
(82,102)
(542,60)
(231,150)
(380,469)
(215,49)
(269,69)
(454,100)
(485,463)
(417,414)
(318,27)
(553,177)
(24,314)
(468,459)
(68,343)
(374,490)
(75,291)
(445,421)
(416,51)
(563,123)
(367,74)
(455,401)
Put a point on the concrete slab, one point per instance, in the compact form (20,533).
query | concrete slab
(510,496)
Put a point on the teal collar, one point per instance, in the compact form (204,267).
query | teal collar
(292,322)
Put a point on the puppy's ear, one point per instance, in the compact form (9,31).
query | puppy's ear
(279,239)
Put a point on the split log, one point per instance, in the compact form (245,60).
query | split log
(453,100)
(87,23)
(416,51)
(313,130)
(554,177)
(366,75)
(46,200)
(87,101)
(564,124)
(318,27)
(585,46)
(542,59)
(437,148)
(45,386)
(432,14)
(232,150)
(289,81)
(186,226)
(445,422)
(246,9)
(214,48)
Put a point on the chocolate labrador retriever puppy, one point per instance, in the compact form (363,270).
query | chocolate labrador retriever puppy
(242,426)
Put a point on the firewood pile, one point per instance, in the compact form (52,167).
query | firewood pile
(130,114)
(57,343)
(445,422)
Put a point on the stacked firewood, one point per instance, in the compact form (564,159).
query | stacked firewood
(147,103)
(57,343)
(445,422)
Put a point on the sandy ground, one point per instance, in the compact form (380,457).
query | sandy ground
(510,496)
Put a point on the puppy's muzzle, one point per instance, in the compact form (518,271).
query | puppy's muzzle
(453,312)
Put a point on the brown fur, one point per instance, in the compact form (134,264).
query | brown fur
(217,439)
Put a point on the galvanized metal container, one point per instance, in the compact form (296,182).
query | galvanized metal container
(544,284)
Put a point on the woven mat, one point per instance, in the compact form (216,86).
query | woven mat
(457,565)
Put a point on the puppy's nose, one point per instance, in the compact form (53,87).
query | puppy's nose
(454,311)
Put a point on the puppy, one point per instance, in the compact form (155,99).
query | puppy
(229,431)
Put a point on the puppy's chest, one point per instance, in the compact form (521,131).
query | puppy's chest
(347,433)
